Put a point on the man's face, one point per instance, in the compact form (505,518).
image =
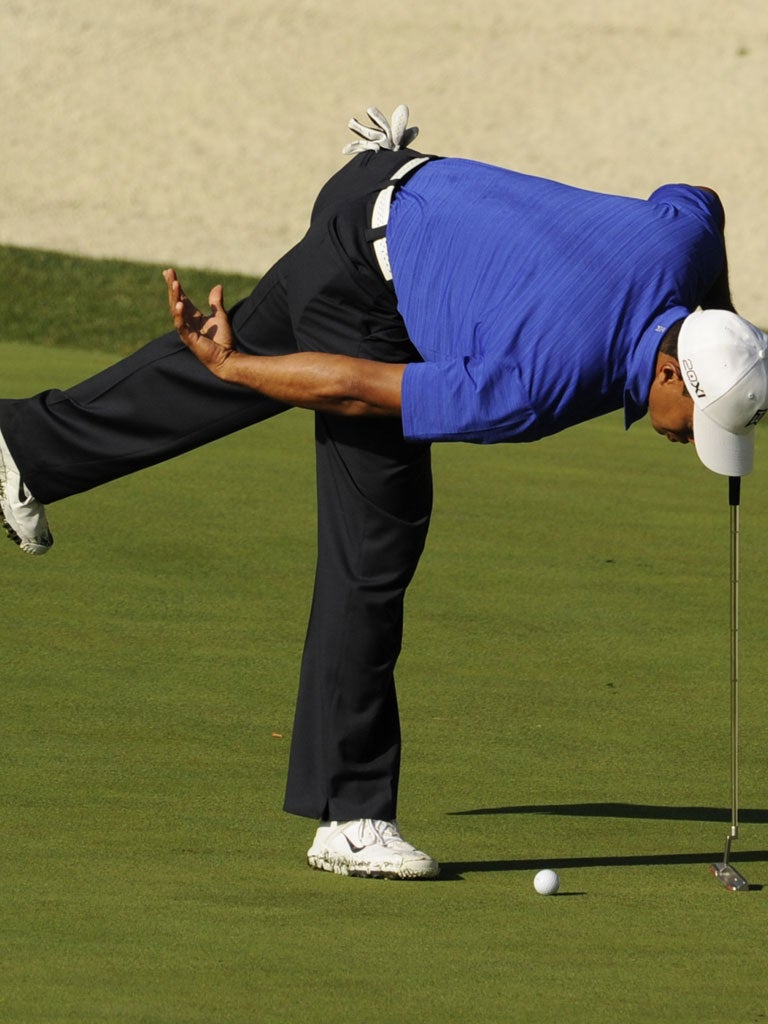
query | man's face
(670,407)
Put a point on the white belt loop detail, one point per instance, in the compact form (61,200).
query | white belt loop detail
(380,214)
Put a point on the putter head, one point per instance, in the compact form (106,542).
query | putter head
(729,877)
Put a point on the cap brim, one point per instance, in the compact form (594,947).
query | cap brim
(720,450)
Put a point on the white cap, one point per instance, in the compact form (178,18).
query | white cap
(724,362)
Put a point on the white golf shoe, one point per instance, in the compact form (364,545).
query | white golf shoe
(24,517)
(368,848)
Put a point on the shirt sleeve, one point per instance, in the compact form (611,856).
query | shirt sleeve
(696,216)
(464,400)
(692,199)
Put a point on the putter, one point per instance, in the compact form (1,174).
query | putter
(723,870)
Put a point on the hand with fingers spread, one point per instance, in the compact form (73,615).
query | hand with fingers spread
(208,336)
(322,381)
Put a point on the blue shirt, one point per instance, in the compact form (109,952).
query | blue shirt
(535,305)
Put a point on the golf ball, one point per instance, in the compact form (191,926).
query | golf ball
(546,882)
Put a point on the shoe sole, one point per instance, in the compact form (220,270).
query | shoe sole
(402,873)
(30,547)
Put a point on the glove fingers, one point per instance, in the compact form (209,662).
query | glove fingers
(378,118)
(372,134)
(399,124)
(394,136)
(359,147)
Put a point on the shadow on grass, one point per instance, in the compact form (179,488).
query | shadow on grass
(454,871)
(619,810)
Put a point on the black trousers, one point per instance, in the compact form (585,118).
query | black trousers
(374,488)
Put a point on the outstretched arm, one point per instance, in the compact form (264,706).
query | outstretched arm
(311,380)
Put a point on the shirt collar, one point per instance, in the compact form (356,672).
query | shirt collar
(643,364)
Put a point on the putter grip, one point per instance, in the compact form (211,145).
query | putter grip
(734,490)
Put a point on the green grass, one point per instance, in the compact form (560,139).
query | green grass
(564,691)
(55,299)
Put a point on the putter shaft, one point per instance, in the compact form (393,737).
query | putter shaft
(723,870)
(734,488)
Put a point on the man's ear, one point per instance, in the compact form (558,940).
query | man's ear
(668,371)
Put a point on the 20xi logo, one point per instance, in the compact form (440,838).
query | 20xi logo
(693,379)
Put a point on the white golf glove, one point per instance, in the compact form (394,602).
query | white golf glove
(393,136)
